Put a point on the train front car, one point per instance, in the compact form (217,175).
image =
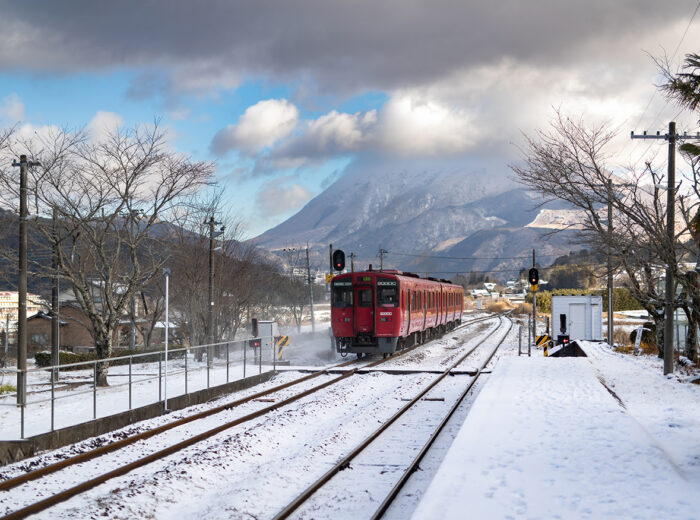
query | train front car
(365,312)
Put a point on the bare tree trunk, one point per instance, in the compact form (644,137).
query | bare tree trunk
(103,346)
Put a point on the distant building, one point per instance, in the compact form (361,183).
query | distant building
(9,303)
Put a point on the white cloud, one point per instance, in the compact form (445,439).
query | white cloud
(12,108)
(260,126)
(276,198)
(413,124)
(103,124)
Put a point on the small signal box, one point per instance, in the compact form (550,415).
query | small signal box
(534,279)
(338,260)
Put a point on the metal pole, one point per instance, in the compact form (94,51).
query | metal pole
(227,359)
(130,359)
(53,382)
(311,290)
(670,214)
(210,294)
(160,376)
(166,272)
(534,305)
(352,262)
(520,338)
(245,352)
(187,351)
(94,391)
(7,339)
(611,307)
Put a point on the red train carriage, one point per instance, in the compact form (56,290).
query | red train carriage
(376,312)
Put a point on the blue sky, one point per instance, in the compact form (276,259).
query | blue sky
(283,96)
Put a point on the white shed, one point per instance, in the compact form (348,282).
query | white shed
(579,317)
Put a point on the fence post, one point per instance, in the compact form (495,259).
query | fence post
(130,359)
(94,391)
(160,376)
(227,358)
(53,382)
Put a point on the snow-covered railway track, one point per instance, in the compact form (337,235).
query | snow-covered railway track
(121,468)
(375,445)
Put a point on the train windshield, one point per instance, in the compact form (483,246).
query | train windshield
(342,294)
(387,292)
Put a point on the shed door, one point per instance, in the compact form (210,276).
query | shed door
(577,317)
(364,310)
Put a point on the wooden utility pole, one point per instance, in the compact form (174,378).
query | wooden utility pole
(311,289)
(669,310)
(55,323)
(210,300)
(22,282)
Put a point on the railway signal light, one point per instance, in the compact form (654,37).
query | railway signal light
(338,260)
(534,278)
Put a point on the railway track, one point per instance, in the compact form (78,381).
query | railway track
(91,455)
(345,461)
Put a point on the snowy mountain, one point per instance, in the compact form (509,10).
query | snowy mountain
(408,212)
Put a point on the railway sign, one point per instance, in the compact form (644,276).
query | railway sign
(329,277)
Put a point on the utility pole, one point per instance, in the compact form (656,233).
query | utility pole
(55,323)
(311,290)
(210,299)
(534,306)
(22,281)
(672,138)
(352,262)
(610,274)
(381,257)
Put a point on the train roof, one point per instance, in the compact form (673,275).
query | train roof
(396,272)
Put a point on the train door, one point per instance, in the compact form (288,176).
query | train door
(364,309)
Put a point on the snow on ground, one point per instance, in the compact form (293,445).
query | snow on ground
(546,440)
(539,438)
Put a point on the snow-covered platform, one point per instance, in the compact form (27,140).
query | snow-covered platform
(545,439)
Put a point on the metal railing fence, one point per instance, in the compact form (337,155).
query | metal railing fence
(189,369)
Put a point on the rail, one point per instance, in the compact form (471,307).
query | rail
(89,484)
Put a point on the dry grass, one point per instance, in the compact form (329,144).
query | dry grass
(497,306)
(523,308)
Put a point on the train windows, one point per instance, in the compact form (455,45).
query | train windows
(364,297)
(387,292)
(342,294)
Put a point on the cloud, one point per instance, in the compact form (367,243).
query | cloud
(341,46)
(276,198)
(260,126)
(12,108)
(103,124)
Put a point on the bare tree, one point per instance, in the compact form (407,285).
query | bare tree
(97,186)
(234,268)
(570,163)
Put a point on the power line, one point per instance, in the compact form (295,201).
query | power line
(469,257)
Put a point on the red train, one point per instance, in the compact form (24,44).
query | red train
(376,312)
